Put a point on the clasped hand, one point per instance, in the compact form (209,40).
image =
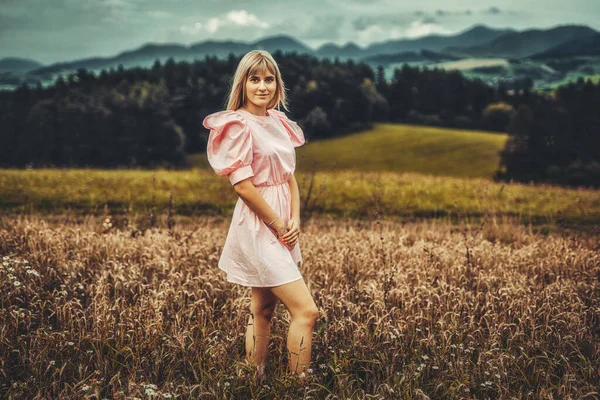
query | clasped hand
(289,234)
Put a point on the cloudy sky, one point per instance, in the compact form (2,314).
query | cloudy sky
(61,30)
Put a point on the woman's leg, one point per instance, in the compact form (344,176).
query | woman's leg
(262,305)
(304,312)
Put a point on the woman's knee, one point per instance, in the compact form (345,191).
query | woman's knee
(308,314)
(264,311)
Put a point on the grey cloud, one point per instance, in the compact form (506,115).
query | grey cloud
(493,10)
(324,27)
(443,13)
(430,20)
(362,23)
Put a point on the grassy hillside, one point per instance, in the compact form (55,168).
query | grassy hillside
(347,193)
(402,148)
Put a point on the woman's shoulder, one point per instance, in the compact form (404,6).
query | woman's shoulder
(220,119)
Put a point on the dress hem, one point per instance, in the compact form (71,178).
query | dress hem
(239,282)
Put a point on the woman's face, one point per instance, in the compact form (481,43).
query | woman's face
(260,89)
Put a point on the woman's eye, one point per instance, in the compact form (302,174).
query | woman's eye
(256,79)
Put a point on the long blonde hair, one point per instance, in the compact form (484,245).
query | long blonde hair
(253,62)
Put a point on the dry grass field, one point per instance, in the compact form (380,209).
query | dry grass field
(96,308)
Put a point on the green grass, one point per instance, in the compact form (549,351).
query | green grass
(342,193)
(401,148)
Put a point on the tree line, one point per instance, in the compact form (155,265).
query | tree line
(146,117)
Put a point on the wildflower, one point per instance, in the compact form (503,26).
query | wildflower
(227,384)
(310,371)
(85,387)
(167,395)
(322,366)
(70,343)
(52,362)
(425,357)
(5,258)
(150,392)
(17,283)
(337,370)
(33,272)
(497,376)
(6,264)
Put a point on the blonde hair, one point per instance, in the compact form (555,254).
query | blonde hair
(253,62)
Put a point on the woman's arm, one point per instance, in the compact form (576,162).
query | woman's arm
(295,192)
(257,203)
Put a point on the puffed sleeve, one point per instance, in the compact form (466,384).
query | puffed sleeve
(229,147)
(294,130)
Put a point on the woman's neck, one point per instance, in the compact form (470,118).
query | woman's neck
(260,111)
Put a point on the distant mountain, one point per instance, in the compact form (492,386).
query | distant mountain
(475,35)
(409,56)
(477,41)
(22,65)
(146,55)
(284,43)
(525,43)
(587,46)
(332,50)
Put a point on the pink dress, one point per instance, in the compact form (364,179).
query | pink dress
(243,145)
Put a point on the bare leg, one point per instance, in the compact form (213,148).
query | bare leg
(304,312)
(262,305)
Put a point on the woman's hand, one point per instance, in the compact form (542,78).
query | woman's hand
(290,239)
(278,228)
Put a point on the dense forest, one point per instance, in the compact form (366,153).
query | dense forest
(153,117)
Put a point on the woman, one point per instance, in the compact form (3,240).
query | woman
(254,145)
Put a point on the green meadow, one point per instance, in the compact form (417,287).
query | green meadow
(393,171)
(342,193)
(402,148)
